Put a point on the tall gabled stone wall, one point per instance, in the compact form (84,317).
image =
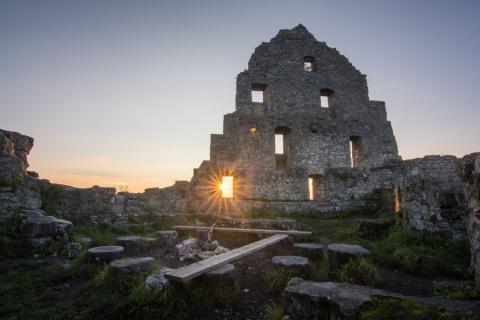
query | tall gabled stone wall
(317,138)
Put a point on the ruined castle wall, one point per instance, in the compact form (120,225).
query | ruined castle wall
(318,138)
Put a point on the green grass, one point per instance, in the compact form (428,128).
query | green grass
(423,253)
(274,312)
(11,244)
(276,278)
(465,290)
(359,271)
(90,291)
(396,309)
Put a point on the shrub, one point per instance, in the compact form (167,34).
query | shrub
(426,253)
(359,271)
(465,290)
(277,278)
(407,259)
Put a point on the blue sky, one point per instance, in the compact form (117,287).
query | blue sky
(128,92)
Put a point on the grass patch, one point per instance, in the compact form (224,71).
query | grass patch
(397,309)
(359,271)
(274,312)
(12,245)
(277,278)
(425,253)
(465,290)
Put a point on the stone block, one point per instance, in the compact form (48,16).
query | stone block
(310,250)
(340,253)
(105,254)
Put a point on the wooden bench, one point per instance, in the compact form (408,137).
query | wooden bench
(193,270)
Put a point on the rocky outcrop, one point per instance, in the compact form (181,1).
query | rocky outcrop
(327,300)
(14,149)
(471,180)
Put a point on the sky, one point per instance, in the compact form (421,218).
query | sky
(127,93)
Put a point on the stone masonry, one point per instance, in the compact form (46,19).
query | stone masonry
(304,137)
(316,138)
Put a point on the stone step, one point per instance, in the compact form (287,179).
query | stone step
(135,245)
(309,250)
(139,264)
(297,263)
(105,254)
(340,253)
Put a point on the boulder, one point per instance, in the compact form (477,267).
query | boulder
(297,263)
(168,237)
(105,253)
(189,249)
(140,264)
(327,300)
(37,225)
(157,282)
(374,228)
(135,245)
(309,250)
(340,253)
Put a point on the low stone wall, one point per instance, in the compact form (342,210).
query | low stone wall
(471,180)
(428,191)
(432,196)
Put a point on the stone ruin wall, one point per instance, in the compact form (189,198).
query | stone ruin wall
(429,191)
(317,138)
(471,179)
(21,191)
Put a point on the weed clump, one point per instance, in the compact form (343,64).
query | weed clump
(465,290)
(359,271)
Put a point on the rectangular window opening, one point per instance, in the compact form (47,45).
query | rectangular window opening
(279,144)
(356,151)
(258,92)
(308,64)
(325,101)
(311,195)
(257,96)
(227,187)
